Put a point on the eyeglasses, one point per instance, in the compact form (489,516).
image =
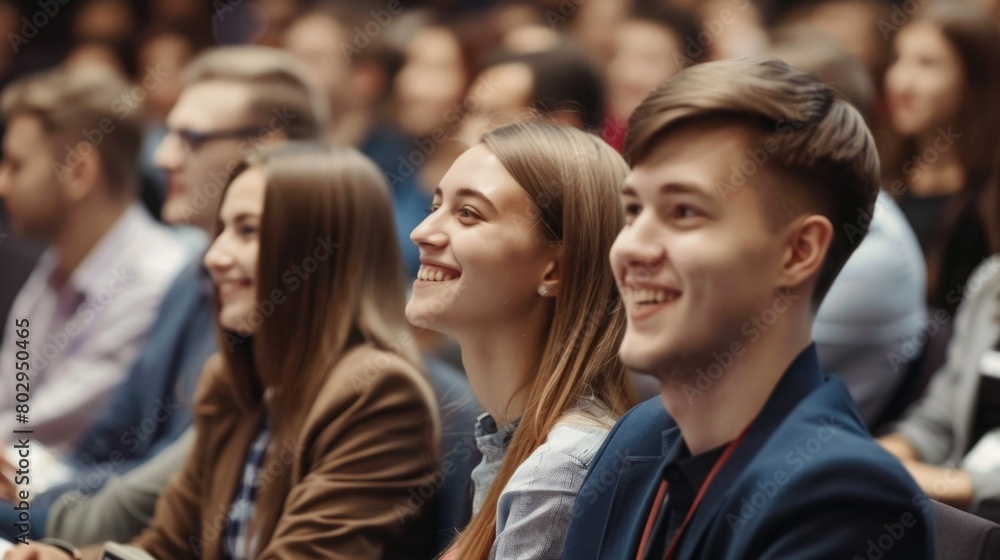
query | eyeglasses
(194,140)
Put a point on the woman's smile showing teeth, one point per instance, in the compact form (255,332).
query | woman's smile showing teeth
(430,273)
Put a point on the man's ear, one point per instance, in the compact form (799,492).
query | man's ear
(552,274)
(806,245)
(80,174)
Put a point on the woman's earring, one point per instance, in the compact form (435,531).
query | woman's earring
(543,291)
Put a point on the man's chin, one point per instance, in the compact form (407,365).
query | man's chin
(657,361)
(643,360)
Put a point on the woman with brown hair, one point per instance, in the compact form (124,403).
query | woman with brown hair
(315,427)
(942,88)
(514,266)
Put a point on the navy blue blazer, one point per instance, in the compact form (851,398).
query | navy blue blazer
(152,408)
(806,481)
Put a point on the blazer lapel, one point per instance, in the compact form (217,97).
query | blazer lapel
(627,515)
(801,378)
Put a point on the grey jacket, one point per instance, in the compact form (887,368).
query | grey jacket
(940,423)
(536,506)
(124,506)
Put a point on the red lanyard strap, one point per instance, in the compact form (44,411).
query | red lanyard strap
(661,493)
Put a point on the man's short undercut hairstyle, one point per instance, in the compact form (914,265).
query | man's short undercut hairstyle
(815,147)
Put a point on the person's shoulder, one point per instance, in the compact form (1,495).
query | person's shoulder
(574,439)
(639,432)
(890,226)
(823,452)
(889,265)
(155,249)
(828,417)
(187,296)
(366,364)
(644,422)
(837,480)
(984,281)
(648,412)
(829,446)
(563,459)
(842,482)
(372,391)
(366,373)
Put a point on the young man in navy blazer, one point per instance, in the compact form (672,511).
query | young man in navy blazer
(751,185)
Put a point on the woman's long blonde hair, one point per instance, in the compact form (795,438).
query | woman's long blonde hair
(573,179)
(317,197)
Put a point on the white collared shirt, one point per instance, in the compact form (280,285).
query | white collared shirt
(85,336)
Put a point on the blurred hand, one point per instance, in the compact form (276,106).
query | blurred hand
(35,551)
(949,486)
(899,447)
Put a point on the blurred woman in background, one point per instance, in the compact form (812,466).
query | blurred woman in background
(942,88)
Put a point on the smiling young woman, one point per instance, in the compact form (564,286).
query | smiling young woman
(327,370)
(513,267)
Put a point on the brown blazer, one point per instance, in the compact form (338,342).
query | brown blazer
(365,457)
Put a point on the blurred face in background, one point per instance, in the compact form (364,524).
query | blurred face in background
(107,21)
(316,40)
(97,55)
(743,36)
(166,55)
(431,83)
(925,82)
(593,26)
(530,38)
(197,173)
(645,56)
(232,258)
(500,95)
(29,187)
(854,25)
(175,11)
